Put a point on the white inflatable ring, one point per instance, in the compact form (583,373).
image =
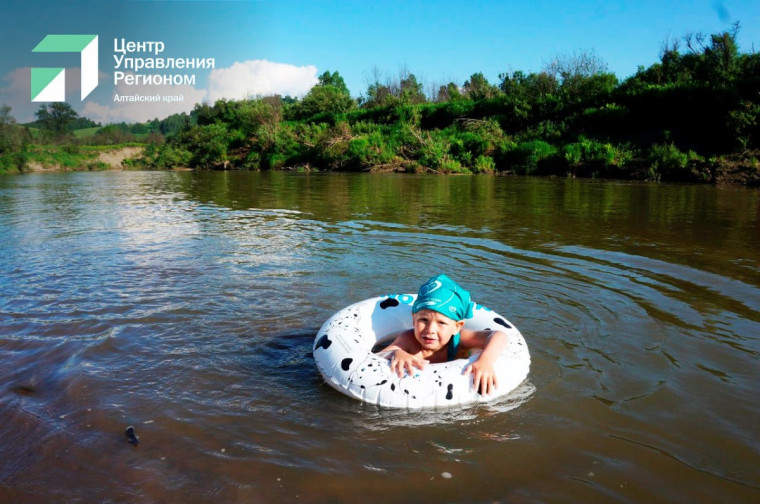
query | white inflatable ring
(344,357)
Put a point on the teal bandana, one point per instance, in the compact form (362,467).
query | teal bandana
(443,295)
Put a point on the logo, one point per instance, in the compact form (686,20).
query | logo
(49,84)
(429,287)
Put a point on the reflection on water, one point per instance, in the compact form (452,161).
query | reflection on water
(185,305)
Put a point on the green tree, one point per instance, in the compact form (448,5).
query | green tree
(5,115)
(56,118)
(403,90)
(378,95)
(330,95)
(335,80)
(13,141)
(410,91)
(477,87)
(208,144)
(743,122)
(448,92)
(518,85)
(173,123)
(581,76)
(13,138)
(203,114)
(721,57)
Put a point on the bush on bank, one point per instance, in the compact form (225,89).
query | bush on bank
(679,119)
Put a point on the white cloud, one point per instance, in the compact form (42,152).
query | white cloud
(237,82)
(240,81)
(18,82)
(141,111)
(260,77)
(17,94)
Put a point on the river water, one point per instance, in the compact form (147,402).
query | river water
(186,305)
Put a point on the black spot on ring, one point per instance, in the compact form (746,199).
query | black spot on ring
(388,303)
(323,342)
(450,393)
(502,322)
(346,363)
(393,386)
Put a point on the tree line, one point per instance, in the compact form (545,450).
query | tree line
(692,116)
(688,117)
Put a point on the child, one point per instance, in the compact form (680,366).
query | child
(438,316)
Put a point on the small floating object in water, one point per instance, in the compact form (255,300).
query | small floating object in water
(26,390)
(131,436)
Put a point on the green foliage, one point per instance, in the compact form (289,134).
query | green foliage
(532,87)
(82,123)
(721,57)
(8,164)
(56,118)
(477,87)
(526,157)
(448,92)
(717,64)
(411,91)
(112,134)
(591,89)
(433,152)
(371,150)
(335,80)
(207,144)
(572,118)
(665,161)
(65,157)
(171,156)
(329,96)
(484,164)
(171,124)
(573,154)
(321,100)
(743,122)
(406,90)
(588,157)
(13,138)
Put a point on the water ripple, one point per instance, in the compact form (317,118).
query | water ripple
(188,310)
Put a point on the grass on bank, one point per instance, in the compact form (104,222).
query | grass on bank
(67,157)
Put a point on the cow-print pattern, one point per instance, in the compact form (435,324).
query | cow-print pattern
(343,345)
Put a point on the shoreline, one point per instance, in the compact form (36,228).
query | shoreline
(105,159)
(734,170)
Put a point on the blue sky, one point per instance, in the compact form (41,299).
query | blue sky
(261,47)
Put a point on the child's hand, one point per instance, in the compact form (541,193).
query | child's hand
(403,361)
(484,376)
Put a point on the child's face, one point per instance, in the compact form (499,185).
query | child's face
(433,330)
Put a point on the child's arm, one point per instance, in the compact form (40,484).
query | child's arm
(492,343)
(401,359)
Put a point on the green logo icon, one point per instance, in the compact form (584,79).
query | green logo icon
(49,84)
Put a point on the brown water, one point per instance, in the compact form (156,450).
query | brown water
(186,306)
